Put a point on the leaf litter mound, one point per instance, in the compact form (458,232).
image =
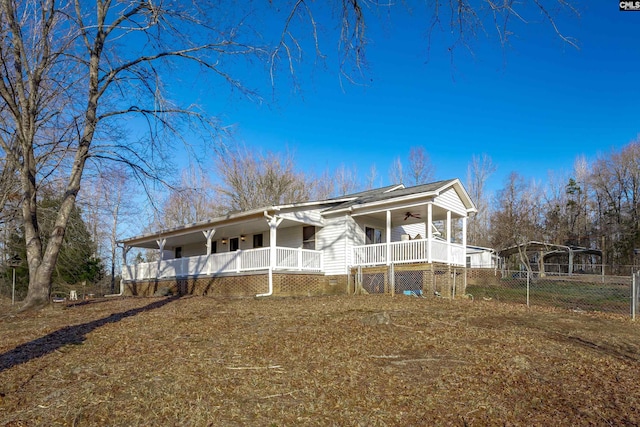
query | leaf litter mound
(347,360)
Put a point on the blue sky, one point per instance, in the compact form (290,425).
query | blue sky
(533,106)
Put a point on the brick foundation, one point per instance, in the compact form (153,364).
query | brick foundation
(284,284)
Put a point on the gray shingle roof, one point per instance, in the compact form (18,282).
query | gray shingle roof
(385,193)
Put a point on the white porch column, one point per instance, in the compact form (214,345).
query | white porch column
(125,251)
(161,243)
(464,238)
(570,261)
(429,231)
(208,234)
(388,237)
(449,237)
(273,222)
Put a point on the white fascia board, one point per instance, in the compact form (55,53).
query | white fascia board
(388,203)
(464,196)
(198,226)
(384,209)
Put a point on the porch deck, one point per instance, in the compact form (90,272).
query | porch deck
(291,259)
(421,250)
(296,259)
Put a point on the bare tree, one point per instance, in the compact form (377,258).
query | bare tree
(346,180)
(517,218)
(373,177)
(396,175)
(323,187)
(109,200)
(71,75)
(479,170)
(421,170)
(72,70)
(252,180)
(616,185)
(191,200)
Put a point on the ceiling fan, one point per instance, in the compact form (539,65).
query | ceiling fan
(411,215)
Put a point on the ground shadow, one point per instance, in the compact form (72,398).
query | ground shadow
(68,335)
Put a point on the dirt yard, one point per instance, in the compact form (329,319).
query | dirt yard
(348,361)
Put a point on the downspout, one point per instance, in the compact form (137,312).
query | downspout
(273,224)
(121,290)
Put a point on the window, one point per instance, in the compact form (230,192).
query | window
(373,235)
(468,262)
(234,244)
(178,252)
(214,247)
(309,237)
(257,241)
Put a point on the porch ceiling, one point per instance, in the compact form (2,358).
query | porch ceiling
(399,213)
(188,237)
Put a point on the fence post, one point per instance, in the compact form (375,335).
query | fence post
(528,282)
(453,290)
(392,279)
(634,296)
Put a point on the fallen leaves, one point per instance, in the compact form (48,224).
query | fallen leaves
(356,360)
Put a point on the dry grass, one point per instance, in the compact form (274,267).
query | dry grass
(316,361)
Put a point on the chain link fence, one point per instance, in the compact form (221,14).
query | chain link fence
(17,292)
(578,292)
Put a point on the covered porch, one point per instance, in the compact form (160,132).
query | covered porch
(249,242)
(240,261)
(430,232)
(412,251)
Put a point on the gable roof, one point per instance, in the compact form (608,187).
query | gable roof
(400,191)
(362,199)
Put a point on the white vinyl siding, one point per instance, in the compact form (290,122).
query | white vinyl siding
(451,201)
(194,249)
(411,229)
(290,237)
(311,217)
(335,239)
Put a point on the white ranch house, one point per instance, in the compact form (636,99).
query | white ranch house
(390,225)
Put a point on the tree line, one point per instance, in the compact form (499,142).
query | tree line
(595,205)
(79,78)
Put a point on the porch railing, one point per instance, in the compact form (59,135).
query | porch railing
(410,251)
(226,262)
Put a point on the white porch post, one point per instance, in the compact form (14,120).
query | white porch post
(449,237)
(464,238)
(161,243)
(208,234)
(429,231)
(388,237)
(273,222)
(570,261)
(125,251)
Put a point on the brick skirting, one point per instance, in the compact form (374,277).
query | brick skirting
(245,285)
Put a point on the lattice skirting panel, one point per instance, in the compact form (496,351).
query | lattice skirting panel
(411,279)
